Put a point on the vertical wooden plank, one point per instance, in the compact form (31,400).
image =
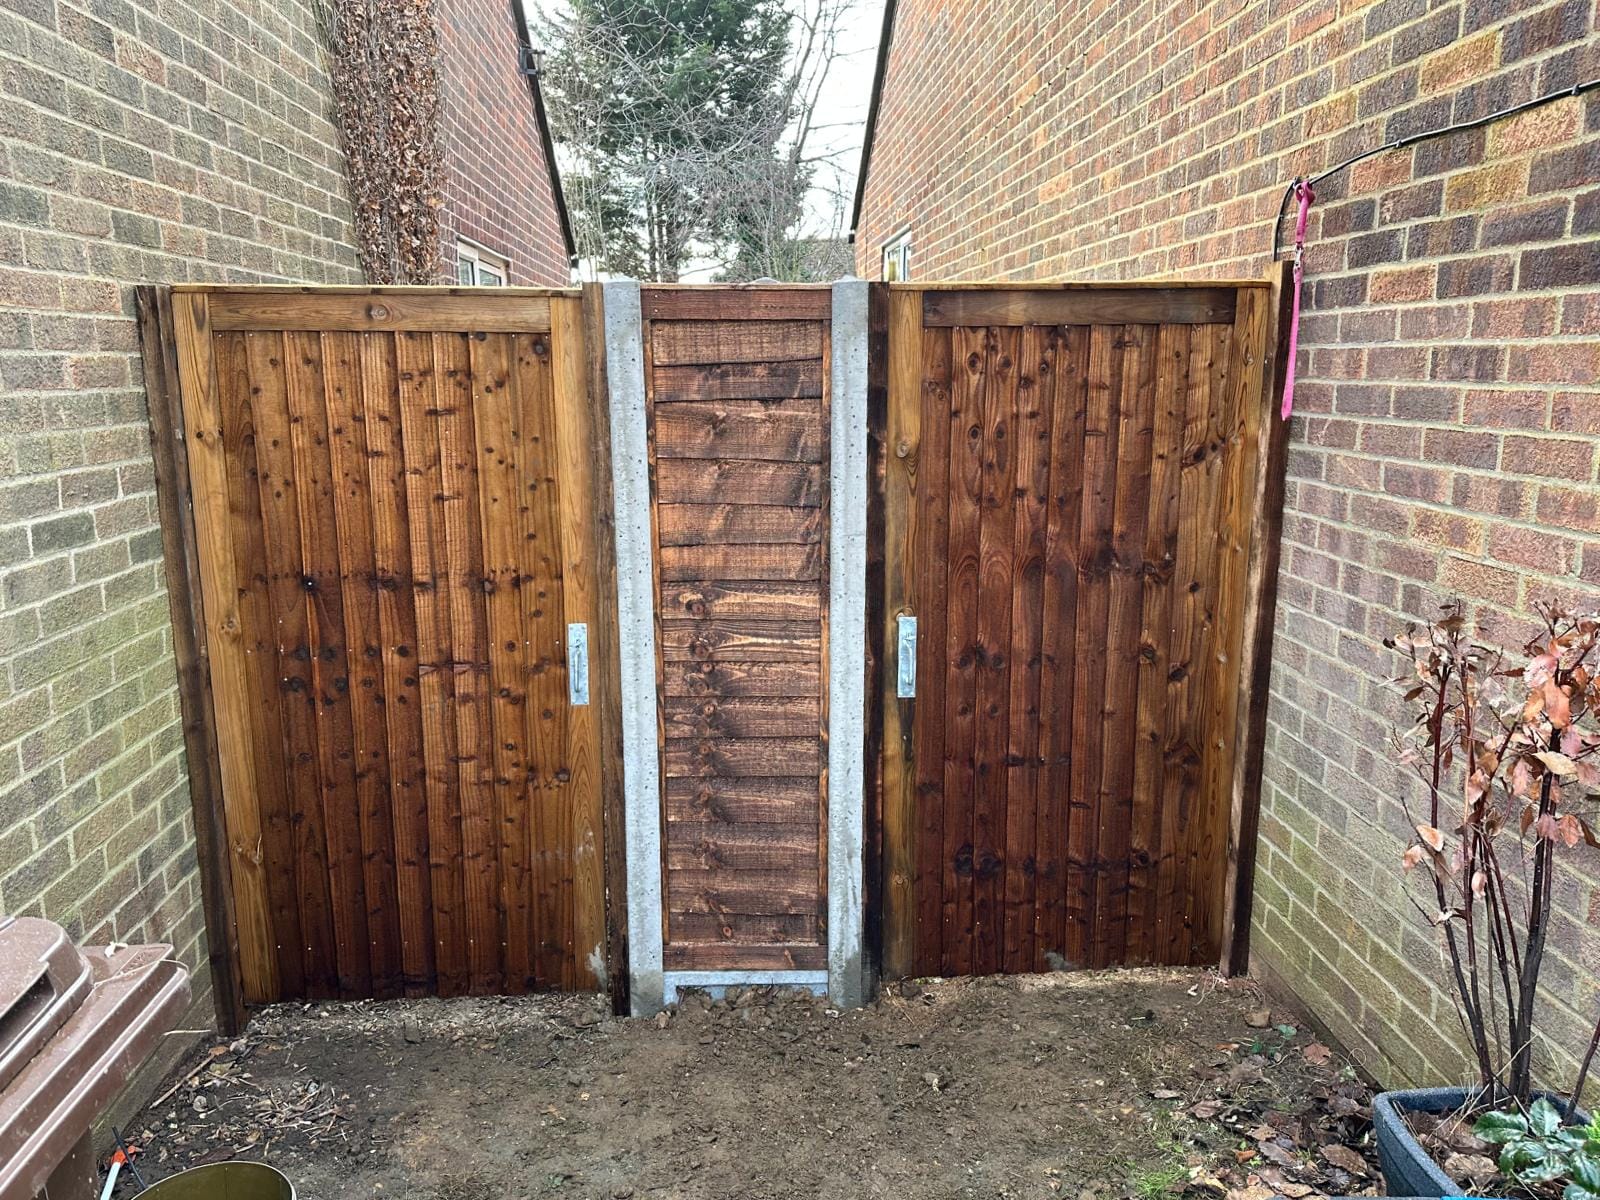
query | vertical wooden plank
(577,469)
(1036,369)
(1154,664)
(992,724)
(1096,557)
(297,707)
(542,600)
(969,364)
(647,356)
(181,560)
(1255,656)
(1135,408)
(930,547)
(1194,869)
(401,697)
(189,457)
(1199,472)
(1246,417)
(304,370)
(463,582)
(420,399)
(497,407)
(824,594)
(902,440)
(353,524)
(604,650)
(238,400)
(1068,400)
(880,684)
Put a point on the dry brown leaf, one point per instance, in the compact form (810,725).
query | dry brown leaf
(1344,1158)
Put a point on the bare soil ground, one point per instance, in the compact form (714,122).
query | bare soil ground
(1135,1083)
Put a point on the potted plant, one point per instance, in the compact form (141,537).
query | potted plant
(1506,753)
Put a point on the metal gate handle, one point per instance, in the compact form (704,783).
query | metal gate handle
(905,684)
(577,663)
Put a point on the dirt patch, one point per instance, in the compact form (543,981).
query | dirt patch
(1122,1083)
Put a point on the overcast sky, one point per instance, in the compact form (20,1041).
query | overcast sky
(841,118)
(846,103)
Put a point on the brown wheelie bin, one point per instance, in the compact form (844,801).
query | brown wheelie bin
(74,1024)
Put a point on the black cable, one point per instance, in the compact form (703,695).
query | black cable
(127,1157)
(1577,89)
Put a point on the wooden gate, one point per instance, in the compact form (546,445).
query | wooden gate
(737,411)
(1071,494)
(393,513)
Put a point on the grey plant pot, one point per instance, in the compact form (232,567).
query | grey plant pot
(1408,1169)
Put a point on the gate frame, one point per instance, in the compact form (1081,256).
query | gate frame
(181,558)
(157,329)
(891,518)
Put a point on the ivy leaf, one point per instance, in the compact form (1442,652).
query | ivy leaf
(1584,1172)
(1543,1117)
(1501,1127)
(1518,1158)
(1547,1168)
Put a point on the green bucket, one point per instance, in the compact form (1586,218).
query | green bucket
(224,1181)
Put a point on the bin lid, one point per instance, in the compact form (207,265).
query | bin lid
(131,996)
(43,980)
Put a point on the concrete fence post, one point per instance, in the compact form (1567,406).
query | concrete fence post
(641,772)
(847,644)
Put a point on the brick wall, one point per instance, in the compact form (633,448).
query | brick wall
(156,141)
(498,188)
(1449,417)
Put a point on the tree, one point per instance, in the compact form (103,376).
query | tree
(686,126)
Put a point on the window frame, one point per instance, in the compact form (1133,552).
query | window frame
(480,261)
(898,250)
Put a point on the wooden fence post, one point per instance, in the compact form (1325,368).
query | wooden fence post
(1255,659)
(182,561)
(606,650)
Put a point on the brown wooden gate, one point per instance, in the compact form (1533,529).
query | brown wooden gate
(393,506)
(1072,478)
(737,411)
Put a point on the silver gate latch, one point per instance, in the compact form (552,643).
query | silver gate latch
(578,663)
(905,684)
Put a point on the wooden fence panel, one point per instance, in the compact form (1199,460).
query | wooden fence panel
(393,509)
(737,409)
(1072,491)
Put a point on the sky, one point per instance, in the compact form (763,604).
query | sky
(846,103)
(841,120)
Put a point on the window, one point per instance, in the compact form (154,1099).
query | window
(897,258)
(478,267)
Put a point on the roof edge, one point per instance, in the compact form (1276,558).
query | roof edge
(525,63)
(885,40)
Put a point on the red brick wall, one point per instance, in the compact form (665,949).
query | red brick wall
(1448,421)
(498,191)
